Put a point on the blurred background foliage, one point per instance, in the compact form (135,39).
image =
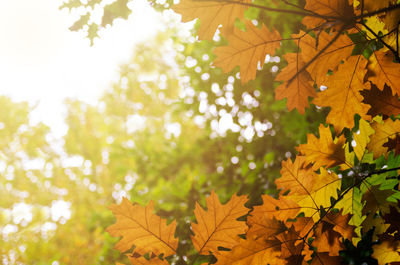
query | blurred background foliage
(172,129)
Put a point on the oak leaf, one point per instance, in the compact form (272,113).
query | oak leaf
(329,59)
(211,15)
(338,9)
(282,208)
(251,251)
(138,226)
(362,138)
(325,187)
(323,151)
(247,49)
(218,225)
(140,260)
(384,132)
(299,89)
(384,71)
(385,253)
(382,102)
(297,177)
(343,94)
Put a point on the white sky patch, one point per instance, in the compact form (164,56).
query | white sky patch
(60,211)
(21,213)
(43,62)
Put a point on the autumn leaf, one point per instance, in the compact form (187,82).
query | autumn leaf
(211,15)
(382,102)
(335,9)
(251,251)
(300,89)
(218,225)
(384,71)
(390,18)
(340,224)
(325,186)
(384,132)
(265,226)
(282,208)
(323,151)
(343,94)
(329,59)
(296,178)
(140,260)
(352,204)
(247,49)
(362,138)
(385,253)
(327,240)
(138,226)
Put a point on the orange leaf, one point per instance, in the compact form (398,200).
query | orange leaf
(298,91)
(211,15)
(251,252)
(343,94)
(296,177)
(330,59)
(218,225)
(282,209)
(384,71)
(140,227)
(264,226)
(328,8)
(323,151)
(247,49)
(140,260)
(381,102)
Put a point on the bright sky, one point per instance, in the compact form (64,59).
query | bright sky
(42,62)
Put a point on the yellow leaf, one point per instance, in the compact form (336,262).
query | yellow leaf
(211,15)
(362,138)
(325,186)
(218,225)
(343,94)
(323,151)
(385,253)
(138,226)
(384,132)
(247,49)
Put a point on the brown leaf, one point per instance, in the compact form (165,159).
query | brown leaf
(300,89)
(218,225)
(247,49)
(211,15)
(381,102)
(138,226)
